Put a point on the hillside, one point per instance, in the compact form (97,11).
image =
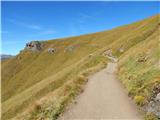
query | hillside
(33,75)
(139,71)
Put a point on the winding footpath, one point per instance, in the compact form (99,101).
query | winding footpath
(104,98)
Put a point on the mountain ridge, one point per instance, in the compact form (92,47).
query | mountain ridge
(6,56)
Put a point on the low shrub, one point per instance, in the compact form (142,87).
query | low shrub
(140,100)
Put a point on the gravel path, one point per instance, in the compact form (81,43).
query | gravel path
(103,98)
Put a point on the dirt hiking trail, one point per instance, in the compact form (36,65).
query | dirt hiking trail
(103,98)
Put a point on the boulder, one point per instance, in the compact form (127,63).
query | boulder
(142,58)
(154,106)
(108,52)
(69,48)
(34,46)
(51,50)
(157,97)
(90,55)
(156,90)
(121,50)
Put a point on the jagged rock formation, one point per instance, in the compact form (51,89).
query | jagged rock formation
(34,46)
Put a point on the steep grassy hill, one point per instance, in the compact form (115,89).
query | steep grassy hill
(57,78)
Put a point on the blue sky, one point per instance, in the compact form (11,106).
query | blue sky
(26,21)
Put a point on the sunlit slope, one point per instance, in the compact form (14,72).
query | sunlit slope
(139,71)
(136,73)
(36,72)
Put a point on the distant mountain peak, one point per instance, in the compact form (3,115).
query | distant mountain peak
(5,56)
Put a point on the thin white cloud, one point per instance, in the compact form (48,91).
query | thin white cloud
(47,32)
(33,27)
(84,17)
(26,25)
(38,28)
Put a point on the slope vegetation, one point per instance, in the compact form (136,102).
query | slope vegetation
(30,76)
(139,70)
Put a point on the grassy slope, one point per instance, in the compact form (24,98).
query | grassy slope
(29,76)
(140,78)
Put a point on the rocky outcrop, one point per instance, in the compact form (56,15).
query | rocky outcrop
(143,57)
(121,50)
(34,46)
(158,97)
(108,53)
(69,48)
(90,55)
(154,106)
